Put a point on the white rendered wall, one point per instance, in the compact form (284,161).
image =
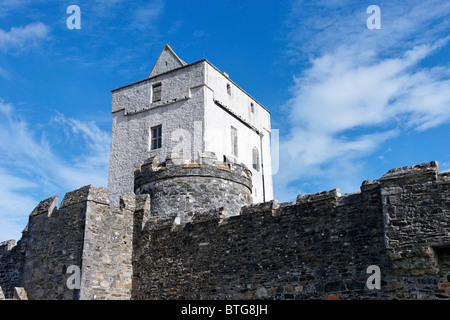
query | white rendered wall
(134,115)
(191,120)
(218,124)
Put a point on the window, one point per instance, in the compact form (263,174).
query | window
(234,141)
(255,159)
(156,138)
(228,89)
(156,94)
(252,107)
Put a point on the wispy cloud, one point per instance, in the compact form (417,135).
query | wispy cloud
(360,87)
(20,38)
(146,16)
(35,166)
(15,204)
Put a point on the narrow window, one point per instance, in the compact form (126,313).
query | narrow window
(252,107)
(228,89)
(156,94)
(156,138)
(234,141)
(255,159)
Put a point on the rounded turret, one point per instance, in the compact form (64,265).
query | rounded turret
(176,186)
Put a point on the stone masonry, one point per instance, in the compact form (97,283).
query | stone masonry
(186,213)
(83,232)
(318,247)
(176,186)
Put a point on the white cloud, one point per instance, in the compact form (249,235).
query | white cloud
(35,166)
(96,156)
(23,37)
(145,17)
(15,204)
(359,89)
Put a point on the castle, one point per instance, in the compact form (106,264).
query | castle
(189,213)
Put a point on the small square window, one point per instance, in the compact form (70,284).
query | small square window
(156,94)
(156,138)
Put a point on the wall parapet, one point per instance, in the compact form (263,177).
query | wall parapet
(175,166)
(86,193)
(176,185)
(7,246)
(321,244)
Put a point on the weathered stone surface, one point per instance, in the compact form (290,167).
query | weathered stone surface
(194,187)
(316,248)
(319,247)
(84,232)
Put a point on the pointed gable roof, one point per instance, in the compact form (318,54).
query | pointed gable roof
(168,60)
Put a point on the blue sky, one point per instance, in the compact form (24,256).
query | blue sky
(349,102)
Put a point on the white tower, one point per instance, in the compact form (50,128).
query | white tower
(190,107)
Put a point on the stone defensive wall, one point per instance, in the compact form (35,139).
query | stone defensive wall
(323,246)
(177,186)
(390,240)
(84,238)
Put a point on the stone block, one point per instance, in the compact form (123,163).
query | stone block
(46,206)
(174,158)
(207,157)
(321,196)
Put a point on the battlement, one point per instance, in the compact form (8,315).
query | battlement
(426,172)
(71,235)
(207,166)
(192,232)
(6,246)
(49,206)
(178,186)
(321,244)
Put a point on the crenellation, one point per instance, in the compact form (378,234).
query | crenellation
(320,196)
(47,206)
(350,199)
(6,246)
(266,207)
(416,173)
(319,245)
(86,193)
(176,186)
(444,177)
